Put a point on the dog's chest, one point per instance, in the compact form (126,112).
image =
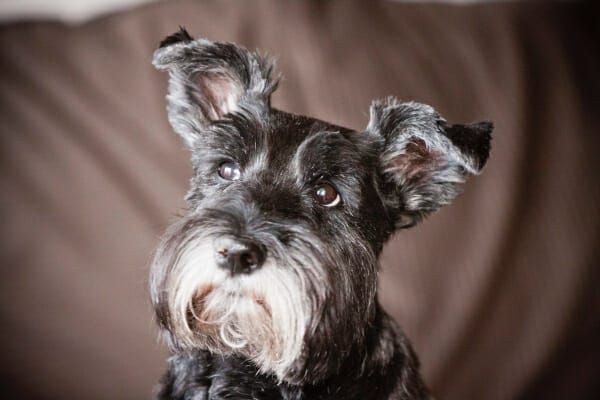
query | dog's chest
(235,385)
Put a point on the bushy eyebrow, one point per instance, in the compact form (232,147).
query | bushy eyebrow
(310,143)
(234,138)
(331,156)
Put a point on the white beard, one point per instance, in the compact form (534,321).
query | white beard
(263,315)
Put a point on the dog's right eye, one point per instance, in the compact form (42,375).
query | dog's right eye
(230,171)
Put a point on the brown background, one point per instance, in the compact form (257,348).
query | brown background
(498,292)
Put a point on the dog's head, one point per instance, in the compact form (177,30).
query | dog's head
(276,257)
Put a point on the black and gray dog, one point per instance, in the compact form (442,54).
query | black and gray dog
(267,287)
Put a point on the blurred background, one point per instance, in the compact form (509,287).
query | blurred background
(499,292)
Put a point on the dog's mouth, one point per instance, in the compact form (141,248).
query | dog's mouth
(204,292)
(226,293)
(231,319)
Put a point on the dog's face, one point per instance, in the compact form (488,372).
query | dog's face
(276,257)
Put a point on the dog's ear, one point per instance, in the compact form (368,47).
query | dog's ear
(424,161)
(208,80)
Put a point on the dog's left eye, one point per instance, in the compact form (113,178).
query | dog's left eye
(230,171)
(326,195)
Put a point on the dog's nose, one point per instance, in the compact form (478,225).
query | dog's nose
(240,256)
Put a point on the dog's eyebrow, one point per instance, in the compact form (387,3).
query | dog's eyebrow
(235,134)
(311,143)
(256,162)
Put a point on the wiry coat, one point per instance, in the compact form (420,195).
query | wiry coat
(311,204)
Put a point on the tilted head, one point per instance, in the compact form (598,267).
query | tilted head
(276,257)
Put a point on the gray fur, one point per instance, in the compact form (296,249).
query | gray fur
(426,166)
(203,88)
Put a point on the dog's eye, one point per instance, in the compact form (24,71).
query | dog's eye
(229,171)
(326,195)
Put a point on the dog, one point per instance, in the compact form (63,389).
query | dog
(267,287)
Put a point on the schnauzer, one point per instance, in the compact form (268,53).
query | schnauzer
(267,287)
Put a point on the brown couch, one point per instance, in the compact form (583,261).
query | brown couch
(499,292)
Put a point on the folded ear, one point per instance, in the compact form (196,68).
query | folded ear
(208,80)
(424,161)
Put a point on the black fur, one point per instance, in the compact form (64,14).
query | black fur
(180,36)
(407,163)
(472,139)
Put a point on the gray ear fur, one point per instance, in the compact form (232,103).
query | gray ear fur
(209,80)
(424,160)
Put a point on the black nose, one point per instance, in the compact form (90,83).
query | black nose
(240,256)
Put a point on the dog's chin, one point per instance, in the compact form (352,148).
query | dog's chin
(260,316)
(232,318)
